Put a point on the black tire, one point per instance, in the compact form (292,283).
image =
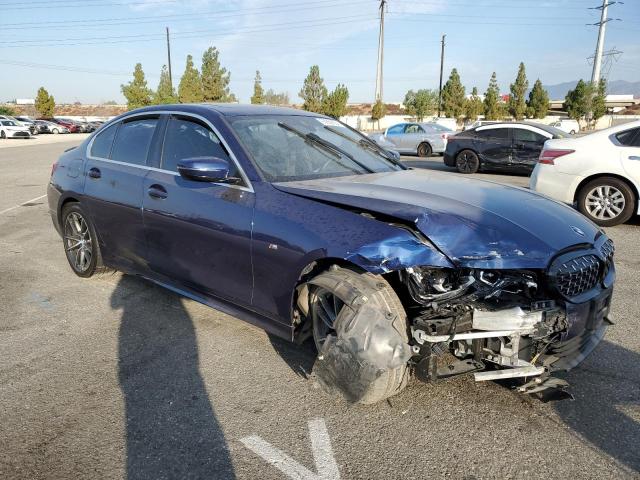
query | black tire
(3,135)
(572,132)
(424,150)
(80,240)
(467,161)
(55,130)
(607,201)
(381,295)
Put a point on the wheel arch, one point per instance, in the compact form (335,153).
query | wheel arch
(634,188)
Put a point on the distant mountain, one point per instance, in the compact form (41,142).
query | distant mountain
(614,87)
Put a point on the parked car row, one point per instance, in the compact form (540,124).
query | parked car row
(25,127)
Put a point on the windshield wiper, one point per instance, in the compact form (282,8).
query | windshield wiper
(317,140)
(368,144)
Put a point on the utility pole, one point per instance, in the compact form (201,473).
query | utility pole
(379,90)
(441,69)
(169,60)
(597,58)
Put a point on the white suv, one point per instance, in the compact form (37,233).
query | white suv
(567,125)
(599,172)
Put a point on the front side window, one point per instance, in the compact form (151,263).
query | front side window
(629,138)
(395,130)
(101,147)
(300,147)
(133,140)
(188,138)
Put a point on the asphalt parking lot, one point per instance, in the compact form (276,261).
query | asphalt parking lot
(112,377)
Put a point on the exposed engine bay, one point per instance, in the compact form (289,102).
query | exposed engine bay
(494,324)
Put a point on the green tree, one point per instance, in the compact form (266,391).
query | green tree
(335,103)
(421,103)
(538,104)
(577,103)
(45,103)
(378,111)
(273,98)
(473,106)
(599,106)
(7,111)
(492,107)
(313,91)
(517,99)
(258,92)
(215,78)
(453,99)
(190,88)
(136,91)
(165,93)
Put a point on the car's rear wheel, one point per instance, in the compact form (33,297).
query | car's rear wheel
(328,309)
(424,150)
(80,241)
(3,135)
(572,132)
(607,201)
(55,130)
(467,161)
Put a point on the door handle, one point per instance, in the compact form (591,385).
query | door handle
(94,173)
(157,191)
(634,157)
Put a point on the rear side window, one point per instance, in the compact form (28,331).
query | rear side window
(499,133)
(101,146)
(523,135)
(186,138)
(133,141)
(413,129)
(629,138)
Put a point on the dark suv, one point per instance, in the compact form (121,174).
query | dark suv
(500,146)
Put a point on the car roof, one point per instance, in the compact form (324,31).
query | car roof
(229,109)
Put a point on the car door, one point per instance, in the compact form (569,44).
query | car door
(413,135)
(527,146)
(630,152)
(114,174)
(198,233)
(493,144)
(394,135)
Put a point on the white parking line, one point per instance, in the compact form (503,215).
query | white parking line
(326,466)
(22,204)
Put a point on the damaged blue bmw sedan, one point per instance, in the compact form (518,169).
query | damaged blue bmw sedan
(303,226)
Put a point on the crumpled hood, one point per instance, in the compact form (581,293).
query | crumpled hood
(476,223)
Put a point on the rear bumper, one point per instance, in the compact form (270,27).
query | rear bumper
(449,160)
(53,199)
(559,186)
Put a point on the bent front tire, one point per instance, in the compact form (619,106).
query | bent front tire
(341,303)
(80,241)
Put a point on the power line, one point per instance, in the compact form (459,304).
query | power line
(115,21)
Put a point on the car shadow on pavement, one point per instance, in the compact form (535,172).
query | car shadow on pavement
(171,427)
(300,358)
(606,412)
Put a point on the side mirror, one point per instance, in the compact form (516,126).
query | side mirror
(206,169)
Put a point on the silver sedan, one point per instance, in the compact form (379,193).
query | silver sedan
(420,139)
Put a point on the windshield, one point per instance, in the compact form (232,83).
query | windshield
(438,127)
(9,123)
(556,132)
(299,147)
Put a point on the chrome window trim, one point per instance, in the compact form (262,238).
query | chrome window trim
(248,187)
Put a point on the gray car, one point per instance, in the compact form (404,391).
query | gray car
(420,139)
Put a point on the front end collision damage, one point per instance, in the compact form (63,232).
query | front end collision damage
(493,323)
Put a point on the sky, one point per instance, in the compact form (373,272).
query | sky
(83,50)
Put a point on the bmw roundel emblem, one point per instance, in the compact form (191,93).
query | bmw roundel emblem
(578,231)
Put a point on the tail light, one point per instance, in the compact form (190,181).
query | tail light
(548,156)
(53,168)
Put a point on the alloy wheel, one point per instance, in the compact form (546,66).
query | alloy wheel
(326,309)
(466,162)
(604,202)
(77,242)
